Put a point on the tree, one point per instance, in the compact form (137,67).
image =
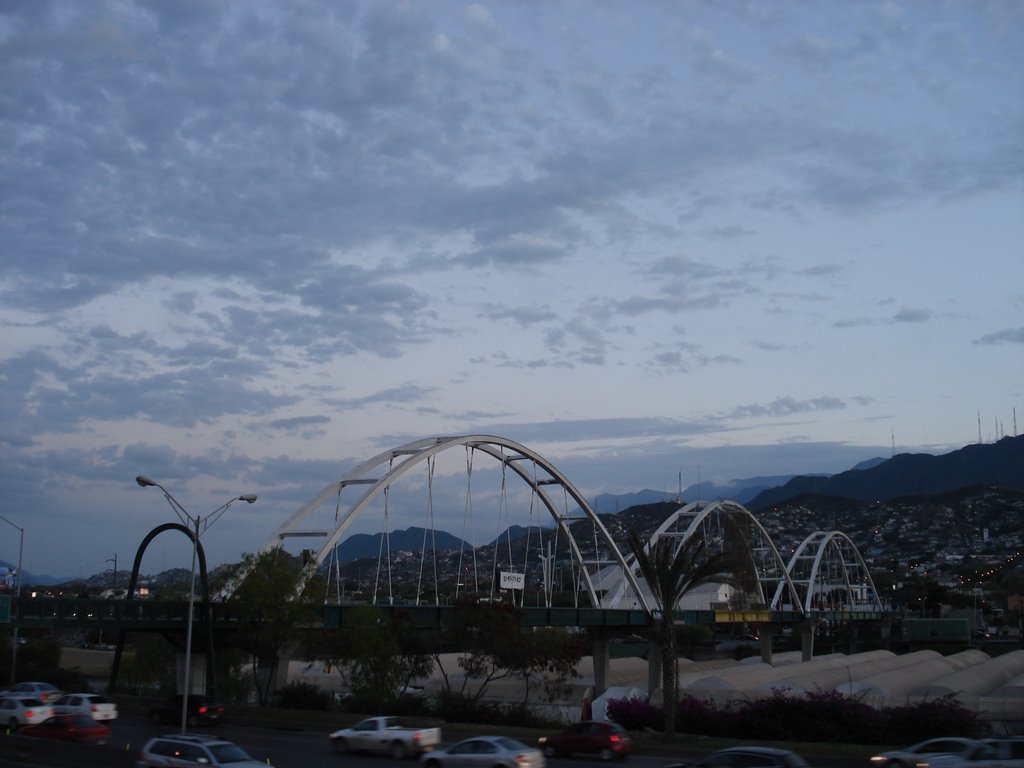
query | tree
(492,645)
(548,657)
(273,611)
(490,638)
(671,570)
(378,657)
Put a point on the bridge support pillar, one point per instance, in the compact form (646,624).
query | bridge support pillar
(766,647)
(602,660)
(807,641)
(197,671)
(653,667)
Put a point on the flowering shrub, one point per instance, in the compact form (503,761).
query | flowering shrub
(695,715)
(917,722)
(635,714)
(819,716)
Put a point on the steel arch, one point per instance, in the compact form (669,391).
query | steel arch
(211,676)
(418,451)
(810,565)
(700,511)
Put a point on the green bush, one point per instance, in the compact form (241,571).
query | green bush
(457,708)
(408,706)
(301,695)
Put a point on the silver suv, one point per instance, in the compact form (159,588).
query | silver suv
(190,751)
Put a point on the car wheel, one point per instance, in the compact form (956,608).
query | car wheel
(550,751)
(13,724)
(433,763)
(606,754)
(398,750)
(340,746)
(192,721)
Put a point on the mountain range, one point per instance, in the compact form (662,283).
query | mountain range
(999,464)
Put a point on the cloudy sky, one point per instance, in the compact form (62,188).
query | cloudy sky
(247,245)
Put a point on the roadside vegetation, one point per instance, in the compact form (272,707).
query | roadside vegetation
(817,717)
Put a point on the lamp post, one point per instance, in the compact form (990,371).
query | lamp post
(14,627)
(194,523)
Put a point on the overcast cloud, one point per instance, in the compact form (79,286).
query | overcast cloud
(248,245)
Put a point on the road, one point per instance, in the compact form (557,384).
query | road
(282,747)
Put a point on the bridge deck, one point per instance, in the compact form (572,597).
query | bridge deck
(155,615)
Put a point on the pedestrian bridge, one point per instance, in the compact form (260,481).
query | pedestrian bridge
(532,536)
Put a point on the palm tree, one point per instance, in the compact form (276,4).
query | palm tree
(672,570)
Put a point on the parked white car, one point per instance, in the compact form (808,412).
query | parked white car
(388,735)
(987,753)
(37,690)
(485,752)
(909,757)
(91,704)
(17,711)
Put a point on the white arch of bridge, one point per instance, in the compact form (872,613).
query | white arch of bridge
(767,563)
(377,474)
(827,562)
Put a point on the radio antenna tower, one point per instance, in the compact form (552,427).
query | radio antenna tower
(979,427)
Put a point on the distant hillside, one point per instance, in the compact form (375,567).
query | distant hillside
(998,464)
(411,539)
(741,490)
(612,504)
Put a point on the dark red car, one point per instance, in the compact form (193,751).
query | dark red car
(202,710)
(597,737)
(69,728)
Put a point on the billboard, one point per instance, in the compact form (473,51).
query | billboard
(513,580)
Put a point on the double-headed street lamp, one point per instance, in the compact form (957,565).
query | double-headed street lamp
(193,523)
(14,627)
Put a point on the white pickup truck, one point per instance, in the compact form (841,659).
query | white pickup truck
(388,735)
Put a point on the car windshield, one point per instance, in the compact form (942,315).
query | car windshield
(229,753)
(511,744)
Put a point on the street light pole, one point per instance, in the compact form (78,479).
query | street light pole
(14,627)
(192,523)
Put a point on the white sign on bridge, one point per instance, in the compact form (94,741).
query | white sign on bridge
(513,580)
